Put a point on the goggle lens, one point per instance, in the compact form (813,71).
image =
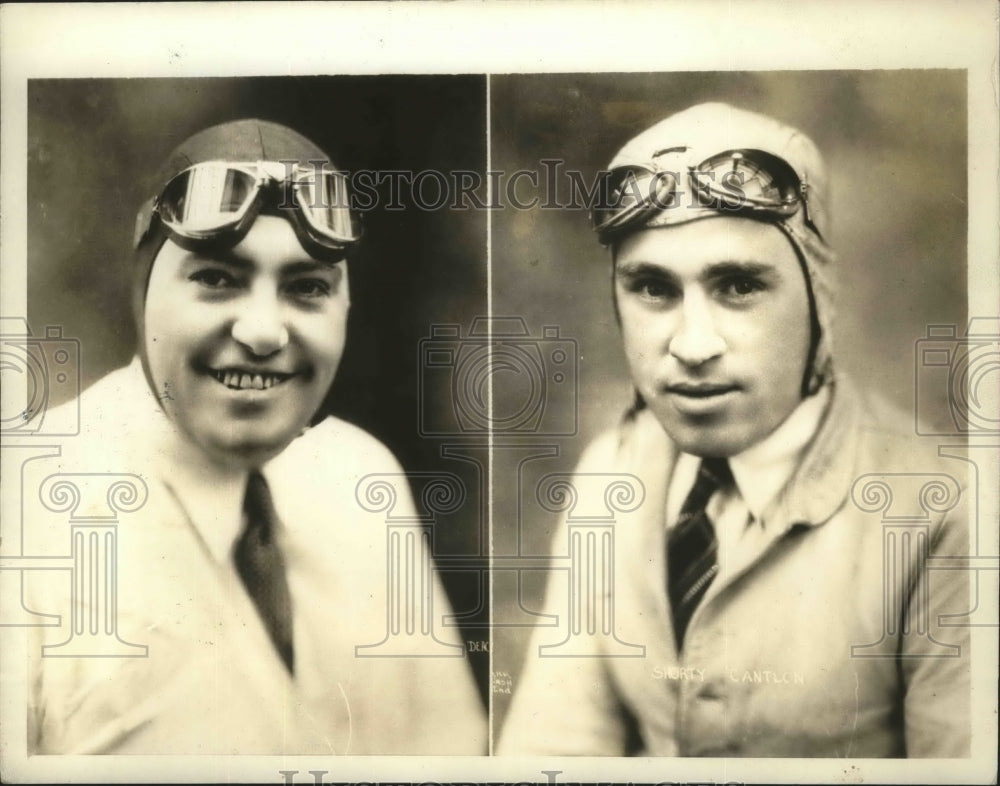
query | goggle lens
(631,195)
(324,200)
(751,179)
(206,198)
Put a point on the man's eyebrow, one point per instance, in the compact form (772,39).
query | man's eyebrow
(737,268)
(307,266)
(639,268)
(232,259)
(229,258)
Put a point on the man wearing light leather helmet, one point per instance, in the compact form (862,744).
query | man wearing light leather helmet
(748,575)
(251,574)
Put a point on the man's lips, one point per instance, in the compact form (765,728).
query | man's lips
(700,389)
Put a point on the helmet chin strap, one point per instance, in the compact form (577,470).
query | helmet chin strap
(813,377)
(142,262)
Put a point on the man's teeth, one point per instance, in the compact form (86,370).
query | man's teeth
(242,381)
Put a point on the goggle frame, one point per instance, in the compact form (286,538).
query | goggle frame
(290,182)
(662,188)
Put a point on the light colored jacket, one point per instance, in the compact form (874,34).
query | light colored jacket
(205,677)
(776,659)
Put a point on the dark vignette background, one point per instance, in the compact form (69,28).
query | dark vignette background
(92,145)
(895,144)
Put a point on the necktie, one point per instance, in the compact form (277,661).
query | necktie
(261,566)
(692,547)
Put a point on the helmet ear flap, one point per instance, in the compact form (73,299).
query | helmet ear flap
(637,406)
(143,222)
(819,361)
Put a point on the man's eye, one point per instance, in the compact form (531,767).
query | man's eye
(653,288)
(740,286)
(213,278)
(309,288)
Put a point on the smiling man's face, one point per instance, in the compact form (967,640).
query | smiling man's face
(716,327)
(243,345)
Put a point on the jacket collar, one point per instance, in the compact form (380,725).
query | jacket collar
(816,489)
(820,484)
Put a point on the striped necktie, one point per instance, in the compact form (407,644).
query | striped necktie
(261,566)
(692,547)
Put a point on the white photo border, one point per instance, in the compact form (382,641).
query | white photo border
(232,39)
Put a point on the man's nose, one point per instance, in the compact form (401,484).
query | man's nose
(696,338)
(259,325)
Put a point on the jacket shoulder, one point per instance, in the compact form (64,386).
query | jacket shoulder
(916,475)
(630,443)
(889,442)
(342,447)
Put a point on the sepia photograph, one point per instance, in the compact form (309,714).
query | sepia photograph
(241,332)
(454,392)
(746,318)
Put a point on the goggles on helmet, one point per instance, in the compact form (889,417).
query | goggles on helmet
(740,182)
(213,204)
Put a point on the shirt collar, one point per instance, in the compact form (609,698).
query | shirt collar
(762,470)
(211,495)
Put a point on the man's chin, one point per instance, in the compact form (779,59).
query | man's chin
(248,451)
(706,439)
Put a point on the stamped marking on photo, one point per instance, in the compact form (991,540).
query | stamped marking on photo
(37,369)
(93,502)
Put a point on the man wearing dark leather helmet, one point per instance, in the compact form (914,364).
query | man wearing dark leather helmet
(239,578)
